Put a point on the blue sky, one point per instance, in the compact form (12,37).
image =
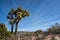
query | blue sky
(43,13)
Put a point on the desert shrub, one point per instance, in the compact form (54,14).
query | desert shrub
(55,29)
(39,31)
(4,34)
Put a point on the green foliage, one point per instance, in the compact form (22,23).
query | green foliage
(19,13)
(12,21)
(3,32)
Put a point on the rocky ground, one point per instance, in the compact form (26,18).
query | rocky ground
(32,36)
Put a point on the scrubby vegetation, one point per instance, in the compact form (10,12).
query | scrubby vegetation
(39,31)
(4,34)
(55,29)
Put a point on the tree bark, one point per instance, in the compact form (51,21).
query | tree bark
(16,28)
(11,29)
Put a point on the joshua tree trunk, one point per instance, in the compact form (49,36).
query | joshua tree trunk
(12,29)
(16,28)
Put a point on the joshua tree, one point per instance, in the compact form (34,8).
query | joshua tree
(15,16)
